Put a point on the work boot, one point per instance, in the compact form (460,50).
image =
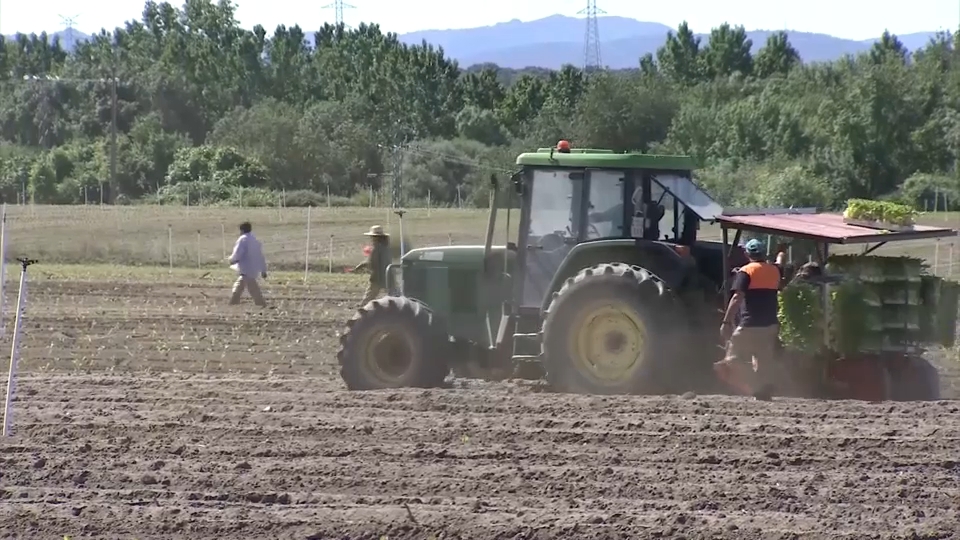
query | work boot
(734,375)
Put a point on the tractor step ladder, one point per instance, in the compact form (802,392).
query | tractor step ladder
(523,345)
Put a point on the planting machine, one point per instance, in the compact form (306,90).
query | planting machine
(608,289)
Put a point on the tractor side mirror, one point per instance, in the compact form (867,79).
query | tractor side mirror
(517,179)
(494,183)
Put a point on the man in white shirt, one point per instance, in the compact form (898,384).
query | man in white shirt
(247,259)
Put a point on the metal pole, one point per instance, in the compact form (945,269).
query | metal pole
(306,256)
(15,348)
(403,246)
(330,256)
(398,193)
(113,140)
(3,268)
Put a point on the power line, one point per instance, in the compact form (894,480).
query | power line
(338,6)
(591,42)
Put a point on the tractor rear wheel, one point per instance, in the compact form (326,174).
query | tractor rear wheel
(610,330)
(392,342)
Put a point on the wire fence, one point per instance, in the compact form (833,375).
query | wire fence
(293,238)
(317,239)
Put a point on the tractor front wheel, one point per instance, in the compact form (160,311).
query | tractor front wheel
(608,331)
(392,342)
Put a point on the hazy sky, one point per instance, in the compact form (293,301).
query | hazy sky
(854,19)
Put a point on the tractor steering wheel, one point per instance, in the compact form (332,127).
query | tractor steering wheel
(551,241)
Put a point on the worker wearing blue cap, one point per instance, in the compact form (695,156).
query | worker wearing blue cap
(752,344)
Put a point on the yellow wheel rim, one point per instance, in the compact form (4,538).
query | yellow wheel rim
(388,355)
(608,342)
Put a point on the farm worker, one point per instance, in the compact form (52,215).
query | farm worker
(752,344)
(376,263)
(247,259)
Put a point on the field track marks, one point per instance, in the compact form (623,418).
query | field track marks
(179,456)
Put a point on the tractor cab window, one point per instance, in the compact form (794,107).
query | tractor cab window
(690,195)
(552,204)
(605,216)
(684,204)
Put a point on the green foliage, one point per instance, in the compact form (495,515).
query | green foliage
(801,317)
(223,165)
(201,101)
(849,319)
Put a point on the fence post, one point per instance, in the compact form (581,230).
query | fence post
(936,256)
(3,267)
(306,257)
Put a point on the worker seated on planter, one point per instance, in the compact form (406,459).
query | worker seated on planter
(751,345)
(810,271)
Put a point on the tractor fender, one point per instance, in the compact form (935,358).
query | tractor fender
(657,258)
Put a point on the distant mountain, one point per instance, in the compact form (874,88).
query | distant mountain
(556,40)
(474,42)
(69,37)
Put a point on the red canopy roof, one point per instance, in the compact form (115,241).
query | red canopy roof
(828,228)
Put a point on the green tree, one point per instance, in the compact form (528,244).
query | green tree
(727,52)
(679,59)
(776,57)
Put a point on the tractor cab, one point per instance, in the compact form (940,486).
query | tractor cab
(576,201)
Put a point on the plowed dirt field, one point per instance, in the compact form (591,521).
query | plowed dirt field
(151,410)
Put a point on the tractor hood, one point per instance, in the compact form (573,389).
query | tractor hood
(456,255)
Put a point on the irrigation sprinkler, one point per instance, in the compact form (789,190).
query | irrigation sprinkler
(403,246)
(15,347)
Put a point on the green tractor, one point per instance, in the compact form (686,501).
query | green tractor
(607,290)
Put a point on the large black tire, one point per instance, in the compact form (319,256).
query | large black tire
(393,342)
(641,304)
(919,380)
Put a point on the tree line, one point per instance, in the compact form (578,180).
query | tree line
(184,104)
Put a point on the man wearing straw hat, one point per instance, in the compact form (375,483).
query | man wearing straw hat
(376,263)
(248,261)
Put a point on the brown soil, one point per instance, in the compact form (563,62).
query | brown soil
(231,424)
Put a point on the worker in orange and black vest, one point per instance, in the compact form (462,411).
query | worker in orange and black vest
(752,344)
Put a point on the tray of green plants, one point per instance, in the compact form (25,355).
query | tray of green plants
(875,303)
(851,323)
(877,269)
(879,214)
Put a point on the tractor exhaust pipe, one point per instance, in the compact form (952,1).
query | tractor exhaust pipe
(491,223)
